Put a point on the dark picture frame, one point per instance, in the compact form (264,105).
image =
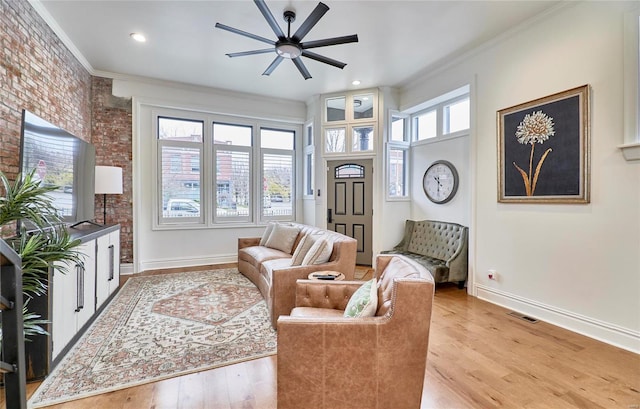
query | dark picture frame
(544,149)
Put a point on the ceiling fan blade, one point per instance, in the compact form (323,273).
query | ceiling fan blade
(303,70)
(323,59)
(244,33)
(273,65)
(262,6)
(330,41)
(311,21)
(253,52)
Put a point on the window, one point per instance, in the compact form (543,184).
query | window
(335,140)
(349,170)
(180,144)
(214,170)
(308,161)
(397,157)
(456,116)
(445,119)
(277,153)
(425,125)
(335,109)
(362,138)
(397,172)
(363,106)
(397,132)
(232,156)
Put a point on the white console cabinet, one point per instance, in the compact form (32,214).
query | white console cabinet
(76,297)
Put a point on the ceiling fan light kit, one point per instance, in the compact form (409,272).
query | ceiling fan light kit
(292,47)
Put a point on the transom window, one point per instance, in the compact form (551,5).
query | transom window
(349,171)
(441,120)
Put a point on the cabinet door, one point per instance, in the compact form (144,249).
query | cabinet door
(107,266)
(86,289)
(102,270)
(63,305)
(114,261)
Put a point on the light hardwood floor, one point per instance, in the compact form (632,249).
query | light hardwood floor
(479,357)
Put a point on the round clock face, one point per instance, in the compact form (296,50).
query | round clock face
(440,181)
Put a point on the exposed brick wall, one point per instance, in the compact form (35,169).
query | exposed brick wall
(38,73)
(112,136)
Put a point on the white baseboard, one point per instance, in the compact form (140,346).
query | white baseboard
(126,269)
(602,331)
(187,262)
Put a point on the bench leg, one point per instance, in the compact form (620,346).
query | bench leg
(461,284)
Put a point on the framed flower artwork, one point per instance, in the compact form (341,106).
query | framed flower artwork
(544,149)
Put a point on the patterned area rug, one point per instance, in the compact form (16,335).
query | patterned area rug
(162,326)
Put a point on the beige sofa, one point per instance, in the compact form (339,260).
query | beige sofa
(271,271)
(441,247)
(328,361)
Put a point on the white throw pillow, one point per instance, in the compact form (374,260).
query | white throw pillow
(266,234)
(364,302)
(303,248)
(282,237)
(319,253)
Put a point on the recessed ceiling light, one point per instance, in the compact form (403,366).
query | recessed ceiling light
(356,82)
(138,37)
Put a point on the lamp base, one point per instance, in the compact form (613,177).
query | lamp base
(104,209)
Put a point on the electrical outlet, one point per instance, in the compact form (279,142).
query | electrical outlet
(493,275)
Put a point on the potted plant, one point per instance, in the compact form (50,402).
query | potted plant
(32,227)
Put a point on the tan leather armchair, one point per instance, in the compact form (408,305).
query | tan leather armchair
(326,361)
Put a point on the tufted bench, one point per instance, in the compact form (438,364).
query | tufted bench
(441,247)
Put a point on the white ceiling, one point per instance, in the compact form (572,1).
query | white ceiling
(398,40)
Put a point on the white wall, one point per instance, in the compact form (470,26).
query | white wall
(577,266)
(155,249)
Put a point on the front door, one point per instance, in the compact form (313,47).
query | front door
(349,203)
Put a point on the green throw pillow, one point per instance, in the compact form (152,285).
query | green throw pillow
(364,302)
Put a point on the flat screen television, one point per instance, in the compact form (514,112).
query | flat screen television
(61,160)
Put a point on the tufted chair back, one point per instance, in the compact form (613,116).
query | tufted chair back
(436,239)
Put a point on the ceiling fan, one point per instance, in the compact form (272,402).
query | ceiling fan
(291,46)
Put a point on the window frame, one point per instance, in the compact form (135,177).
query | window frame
(275,151)
(405,147)
(439,108)
(308,162)
(160,144)
(213,193)
(208,186)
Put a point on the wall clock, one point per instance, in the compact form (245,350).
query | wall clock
(440,181)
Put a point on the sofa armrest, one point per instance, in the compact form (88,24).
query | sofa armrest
(248,242)
(325,294)
(459,263)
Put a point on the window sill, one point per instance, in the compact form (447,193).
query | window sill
(631,151)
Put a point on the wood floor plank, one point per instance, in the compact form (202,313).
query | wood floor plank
(479,357)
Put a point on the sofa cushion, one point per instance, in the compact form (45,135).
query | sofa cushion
(266,234)
(303,248)
(308,312)
(256,255)
(319,253)
(364,302)
(282,237)
(266,269)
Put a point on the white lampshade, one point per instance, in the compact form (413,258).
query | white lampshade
(108,180)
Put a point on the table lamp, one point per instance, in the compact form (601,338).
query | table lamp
(108,181)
